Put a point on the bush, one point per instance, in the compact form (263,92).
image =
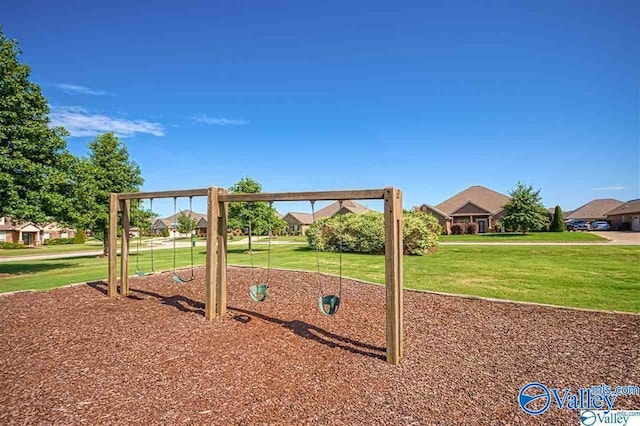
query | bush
(165,232)
(558,225)
(472,228)
(458,228)
(58,241)
(11,246)
(80,238)
(364,233)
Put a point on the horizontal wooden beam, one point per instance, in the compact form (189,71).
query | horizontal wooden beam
(359,194)
(163,194)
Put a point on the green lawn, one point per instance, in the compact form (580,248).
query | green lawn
(66,248)
(600,277)
(92,245)
(534,237)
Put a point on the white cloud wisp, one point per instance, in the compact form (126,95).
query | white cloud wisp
(80,122)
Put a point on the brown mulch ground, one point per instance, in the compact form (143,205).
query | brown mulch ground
(73,355)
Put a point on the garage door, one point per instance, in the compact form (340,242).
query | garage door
(635,223)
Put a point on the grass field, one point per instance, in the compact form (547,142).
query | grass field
(534,237)
(600,277)
(42,250)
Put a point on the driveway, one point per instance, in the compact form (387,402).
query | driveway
(618,237)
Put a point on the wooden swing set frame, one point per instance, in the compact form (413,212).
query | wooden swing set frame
(216,257)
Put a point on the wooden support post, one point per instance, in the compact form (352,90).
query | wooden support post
(393,272)
(124,247)
(221,233)
(113,246)
(211,276)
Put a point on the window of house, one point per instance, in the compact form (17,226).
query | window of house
(46,236)
(64,235)
(3,236)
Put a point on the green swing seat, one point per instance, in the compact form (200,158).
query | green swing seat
(259,292)
(177,279)
(329,305)
(140,273)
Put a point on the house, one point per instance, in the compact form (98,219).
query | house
(54,231)
(626,216)
(170,223)
(477,204)
(594,210)
(298,223)
(27,233)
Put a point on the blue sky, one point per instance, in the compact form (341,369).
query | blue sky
(431,97)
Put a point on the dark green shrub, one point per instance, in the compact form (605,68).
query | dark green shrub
(58,241)
(558,225)
(11,246)
(80,238)
(165,232)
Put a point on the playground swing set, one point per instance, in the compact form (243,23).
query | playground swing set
(216,254)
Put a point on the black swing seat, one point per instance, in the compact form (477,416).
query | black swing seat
(329,305)
(259,292)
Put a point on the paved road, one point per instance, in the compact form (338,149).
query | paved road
(618,237)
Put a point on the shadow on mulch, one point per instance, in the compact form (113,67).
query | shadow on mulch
(244,316)
(312,332)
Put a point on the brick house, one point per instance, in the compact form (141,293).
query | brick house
(477,204)
(26,233)
(626,216)
(54,231)
(170,222)
(298,223)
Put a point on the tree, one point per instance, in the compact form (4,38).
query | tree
(558,225)
(524,211)
(255,215)
(185,224)
(107,169)
(34,161)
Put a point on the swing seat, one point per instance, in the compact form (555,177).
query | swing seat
(140,273)
(259,292)
(329,305)
(177,279)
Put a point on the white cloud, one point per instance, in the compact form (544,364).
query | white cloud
(76,89)
(80,122)
(202,118)
(609,188)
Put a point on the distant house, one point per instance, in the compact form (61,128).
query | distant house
(477,204)
(27,233)
(171,222)
(626,216)
(594,210)
(298,223)
(54,231)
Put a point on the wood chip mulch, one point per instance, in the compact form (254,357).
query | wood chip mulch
(74,356)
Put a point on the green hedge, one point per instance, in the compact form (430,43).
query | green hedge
(59,241)
(12,246)
(364,233)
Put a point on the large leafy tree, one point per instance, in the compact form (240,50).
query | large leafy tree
(558,225)
(34,161)
(257,215)
(107,169)
(524,211)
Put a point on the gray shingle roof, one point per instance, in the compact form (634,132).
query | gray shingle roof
(630,207)
(485,198)
(596,209)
